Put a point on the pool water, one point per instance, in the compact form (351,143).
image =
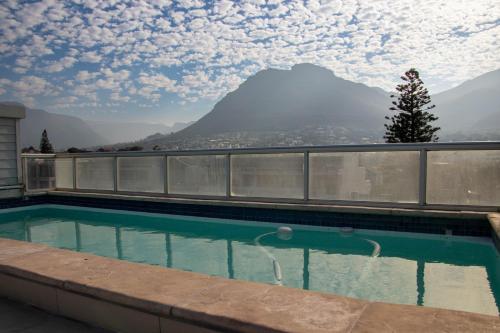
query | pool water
(461,273)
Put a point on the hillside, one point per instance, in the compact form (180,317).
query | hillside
(116,132)
(283,100)
(309,105)
(69,131)
(472,107)
(64,131)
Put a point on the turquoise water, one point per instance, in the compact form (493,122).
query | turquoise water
(441,271)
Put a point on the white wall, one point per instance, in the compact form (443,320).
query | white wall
(10,168)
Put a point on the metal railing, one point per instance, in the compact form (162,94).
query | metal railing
(38,172)
(445,175)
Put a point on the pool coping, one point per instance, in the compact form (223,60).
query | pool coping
(494,219)
(125,296)
(421,212)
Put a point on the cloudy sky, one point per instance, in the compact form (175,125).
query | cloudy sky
(171,61)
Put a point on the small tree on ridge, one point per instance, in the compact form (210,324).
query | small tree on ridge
(412,123)
(45,145)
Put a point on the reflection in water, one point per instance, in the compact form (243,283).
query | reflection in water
(447,272)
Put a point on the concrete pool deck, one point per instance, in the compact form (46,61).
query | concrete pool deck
(131,297)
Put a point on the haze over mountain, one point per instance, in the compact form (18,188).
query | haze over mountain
(472,107)
(64,131)
(116,132)
(70,131)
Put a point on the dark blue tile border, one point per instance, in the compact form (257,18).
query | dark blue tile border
(432,225)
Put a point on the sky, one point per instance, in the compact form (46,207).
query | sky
(169,61)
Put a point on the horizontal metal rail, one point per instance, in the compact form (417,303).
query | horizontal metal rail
(487,145)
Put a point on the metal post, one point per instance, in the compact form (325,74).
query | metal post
(74,172)
(228,176)
(25,173)
(115,174)
(165,190)
(422,189)
(306,175)
(37,176)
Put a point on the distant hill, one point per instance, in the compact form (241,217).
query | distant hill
(64,131)
(281,100)
(69,131)
(472,107)
(116,132)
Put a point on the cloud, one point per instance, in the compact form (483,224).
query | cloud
(59,65)
(91,56)
(153,50)
(83,76)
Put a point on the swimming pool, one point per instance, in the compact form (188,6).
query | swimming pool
(461,273)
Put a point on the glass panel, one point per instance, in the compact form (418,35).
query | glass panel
(464,177)
(365,176)
(64,173)
(41,175)
(141,174)
(199,175)
(95,173)
(268,175)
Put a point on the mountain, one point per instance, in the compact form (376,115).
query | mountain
(472,107)
(306,105)
(284,100)
(116,132)
(176,127)
(64,131)
(69,131)
(309,105)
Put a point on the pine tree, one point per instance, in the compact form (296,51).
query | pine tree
(45,145)
(412,123)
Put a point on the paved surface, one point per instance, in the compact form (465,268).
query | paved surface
(17,317)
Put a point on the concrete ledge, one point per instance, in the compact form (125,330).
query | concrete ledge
(10,191)
(12,110)
(494,219)
(131,297)
(423,212)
